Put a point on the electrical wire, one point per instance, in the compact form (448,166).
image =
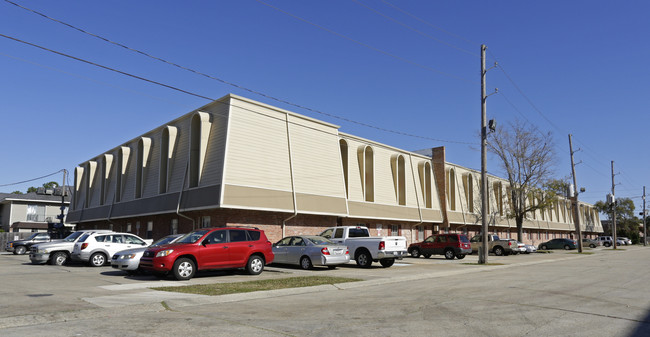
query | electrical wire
(30,180)
(416,30)
(212,99)
(367,45)
(429,24)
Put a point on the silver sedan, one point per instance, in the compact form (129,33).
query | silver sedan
(308,251)
(129,260)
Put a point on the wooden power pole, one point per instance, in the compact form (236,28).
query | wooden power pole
(574,199)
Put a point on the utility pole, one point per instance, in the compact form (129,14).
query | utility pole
(645,230)
(483,254)
(61,225)
(574,199)
(613,208)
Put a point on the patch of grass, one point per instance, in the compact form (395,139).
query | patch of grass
(483,264)
(583,253)
(613,250)
(250,286)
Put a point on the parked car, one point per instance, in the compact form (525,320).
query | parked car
(129,260)
(558,244)
(495,244)
(449,245)
(530,249)
(366,249)
(210,248)
(620,242)
(308,251)
(517,247)
(97,248)
(626,240)
(20,247)
(58,252)
(607,241)
(590,243)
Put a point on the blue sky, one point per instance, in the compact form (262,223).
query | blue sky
(413,67)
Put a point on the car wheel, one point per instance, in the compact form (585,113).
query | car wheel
(97,259)
(498,251)
(592,246)
(331,267)
(426,256)
(386,262)
(607,244)
(566,247)
(460,256)
(20,250)
(58,259)
(544,247)
(184,269)
(363,259)
(449,254)
(415,253)
(305,263)
(255,265)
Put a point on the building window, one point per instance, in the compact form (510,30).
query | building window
(205,221)
(399,178)
(498,196)
(344,162)
(149,234)
(36,213)
(420,233)
(174,227)
(394,230)
(368,173)
(128,227)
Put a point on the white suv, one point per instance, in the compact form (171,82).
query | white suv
(606,240)
(96,248)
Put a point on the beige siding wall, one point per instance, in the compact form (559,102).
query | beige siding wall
(214,159)
(258,151)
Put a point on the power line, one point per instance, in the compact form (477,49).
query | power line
(429,24)
(30,180)
(416,30)
(212,99)
(213,78)
(367,45)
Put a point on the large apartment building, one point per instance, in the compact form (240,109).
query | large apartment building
(236,161)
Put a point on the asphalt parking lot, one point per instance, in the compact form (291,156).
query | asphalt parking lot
(37,295)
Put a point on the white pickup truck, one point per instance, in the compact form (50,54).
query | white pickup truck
(366,249)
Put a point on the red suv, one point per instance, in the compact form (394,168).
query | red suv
(210,248)
(449,245)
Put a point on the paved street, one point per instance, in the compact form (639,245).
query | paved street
(559,294)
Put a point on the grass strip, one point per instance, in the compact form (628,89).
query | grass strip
(259,285)
(483,264)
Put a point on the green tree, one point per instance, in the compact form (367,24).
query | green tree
(16,192)
(49,185)
(627,224)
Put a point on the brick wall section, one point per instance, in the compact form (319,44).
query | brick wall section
(270,222)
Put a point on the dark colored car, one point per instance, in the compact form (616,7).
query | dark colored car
(210,248)
(449,245)
(558,244)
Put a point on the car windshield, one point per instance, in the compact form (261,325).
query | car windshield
(192,237)
(319,240)
(463,238)
(165,240)
(72,237)
(32,236)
